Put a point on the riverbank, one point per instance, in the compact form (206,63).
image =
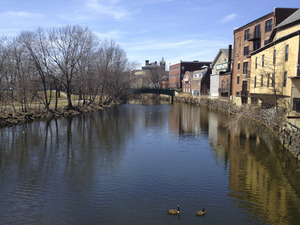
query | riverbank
(275,121)
(16,118)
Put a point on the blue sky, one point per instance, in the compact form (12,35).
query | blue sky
(145,29)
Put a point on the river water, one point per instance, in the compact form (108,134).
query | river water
(130,164)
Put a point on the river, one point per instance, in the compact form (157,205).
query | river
(130,164)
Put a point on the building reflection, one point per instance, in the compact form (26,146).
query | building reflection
(263,178)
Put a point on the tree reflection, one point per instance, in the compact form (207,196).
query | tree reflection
(261,172)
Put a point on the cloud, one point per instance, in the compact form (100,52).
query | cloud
(20,14)
(182,45)
(110,8)
(229,17)
(114,34)
(173,50)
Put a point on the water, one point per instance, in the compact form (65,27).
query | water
(129,165)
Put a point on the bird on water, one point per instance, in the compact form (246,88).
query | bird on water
(174,211)
(201,212)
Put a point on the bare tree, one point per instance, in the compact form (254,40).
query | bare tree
(68,46)
(69,59)
(111,67)
(119,77)
(105,60)
(270,73)
(86,82)
(37,46)
(3,83)
(155,76)
(20,73)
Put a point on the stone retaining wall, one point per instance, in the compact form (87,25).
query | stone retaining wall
(275,121)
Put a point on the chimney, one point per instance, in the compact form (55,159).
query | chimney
(229,58)
(146,62)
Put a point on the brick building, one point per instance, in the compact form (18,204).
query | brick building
(247,39)
(197,82)
(177,71)
(220,84)
(151,75)
(277,80)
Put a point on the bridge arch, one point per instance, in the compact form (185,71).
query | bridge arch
(155,91)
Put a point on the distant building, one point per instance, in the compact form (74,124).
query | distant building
(247,39)
(177,71)
(187,82)
(220,79)
(197,82)
(149,66)
(152,75)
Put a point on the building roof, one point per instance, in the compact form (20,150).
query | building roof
(274,42)
(264,17)
(225,51)
(294,18)
(201,73)
(252,22)
(289,21)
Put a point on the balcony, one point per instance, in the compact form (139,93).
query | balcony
(246,74)
(223,90)
(254,36)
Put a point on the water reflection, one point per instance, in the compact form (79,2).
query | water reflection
(71,166)
(263,178)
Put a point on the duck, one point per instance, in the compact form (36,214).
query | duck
(201,212)
(174,211)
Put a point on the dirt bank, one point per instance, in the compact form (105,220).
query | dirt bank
(16,118)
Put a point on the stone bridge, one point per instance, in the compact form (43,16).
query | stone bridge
(155,91)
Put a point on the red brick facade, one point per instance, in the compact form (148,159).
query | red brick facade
(177,71)
(247,39)
(186,82)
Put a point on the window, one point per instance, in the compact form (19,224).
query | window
(245,67)
(263,61)
(262,80)
(238,80)
(239,66)
(273,79)
(268,80)
(256,63)
(268,26)
(286,52)
(247,34)
(284,78)
(246,50)
(255,81)
(257,31)
(274,57)
(256,45)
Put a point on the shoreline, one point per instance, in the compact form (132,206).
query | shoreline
(276,122)
(286,133)
(18,118)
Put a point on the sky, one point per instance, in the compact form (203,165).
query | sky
(177,30)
